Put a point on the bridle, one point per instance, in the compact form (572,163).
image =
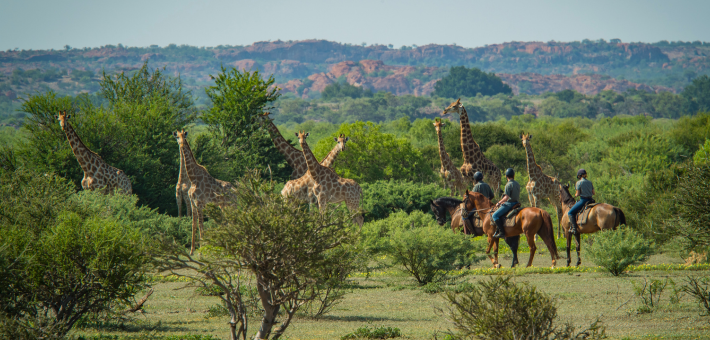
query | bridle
(465,213)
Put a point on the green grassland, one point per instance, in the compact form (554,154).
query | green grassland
(390,298)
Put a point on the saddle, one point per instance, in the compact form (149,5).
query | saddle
(471,226)
(584,214)
(510,218)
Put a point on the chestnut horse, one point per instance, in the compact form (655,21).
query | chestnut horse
(455,208)
(601,217)
(528,221)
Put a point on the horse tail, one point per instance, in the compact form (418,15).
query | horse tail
(547,234)
(621,218)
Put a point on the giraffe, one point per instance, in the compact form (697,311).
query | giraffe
(473,158)
(204,188)
(539,185)
(329,187)
(294,157)
(302,188)
(448,171)
(181,189)
(97,174)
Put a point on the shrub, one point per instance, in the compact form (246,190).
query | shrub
(366,332)
(616,250)
(501,309)
(699,288)
(650,293)
(462,81)
(425,251)
(381,198)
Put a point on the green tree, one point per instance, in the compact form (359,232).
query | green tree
(337,90)
(371,155)
(698,94)
(465,82)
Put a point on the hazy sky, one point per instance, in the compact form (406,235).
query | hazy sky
(37,24)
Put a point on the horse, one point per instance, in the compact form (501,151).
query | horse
(601,217)
(454,207)
(529,221)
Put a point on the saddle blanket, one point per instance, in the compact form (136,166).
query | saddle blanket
(584,214)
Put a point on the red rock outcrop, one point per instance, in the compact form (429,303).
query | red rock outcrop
(532,83)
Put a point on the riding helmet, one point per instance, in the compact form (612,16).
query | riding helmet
(478,176)
(581,172)
(510,172)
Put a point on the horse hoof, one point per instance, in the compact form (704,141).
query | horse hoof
(498,266)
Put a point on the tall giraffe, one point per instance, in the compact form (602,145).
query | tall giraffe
(329,187)
(97,174)
(302,188)
(294,157)
(204,188)
(182,188)
(448,171)
(473,158)
(539,185)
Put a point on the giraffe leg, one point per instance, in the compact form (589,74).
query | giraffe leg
(200,220)
(178,198)
(188,205)
(194,228)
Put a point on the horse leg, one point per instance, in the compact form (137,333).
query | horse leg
(576,243)
(488,250)
(513,242)
(569,245)
(533,248)
(496,265)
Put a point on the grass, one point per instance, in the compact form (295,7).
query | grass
(391,299)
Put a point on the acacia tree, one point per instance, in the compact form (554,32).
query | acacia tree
(462,81)
(292,255)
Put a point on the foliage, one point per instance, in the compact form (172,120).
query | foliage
(464,82)
(289,250)
(618,249)
(650,293)
(132,132)
(501,309)
(702,156)
(698,94)
(372,155)
(337,90)
(424,250)
(68,258)
(376,234)
(381,198)
(366,332)
(690,132)
(691,198)
(699,288)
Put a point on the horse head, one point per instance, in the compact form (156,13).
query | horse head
(439,212)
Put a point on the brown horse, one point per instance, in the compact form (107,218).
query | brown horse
(601,217)
(529,221)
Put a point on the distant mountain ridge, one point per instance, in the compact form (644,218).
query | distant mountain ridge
(406,70)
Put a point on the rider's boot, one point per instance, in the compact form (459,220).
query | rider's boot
(573,229)
(500,226)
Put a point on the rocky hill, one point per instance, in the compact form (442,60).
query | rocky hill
(307,66)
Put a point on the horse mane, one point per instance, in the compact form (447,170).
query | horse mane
(447,202)
(566,196)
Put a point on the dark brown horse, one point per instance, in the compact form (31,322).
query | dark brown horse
(456,209)
(601,217)
(529,221)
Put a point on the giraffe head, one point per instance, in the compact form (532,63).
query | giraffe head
(302,135)
(438,123)
(454,107)
(180,136)
(341,141)
(526,139)
(63,117)
(264,117)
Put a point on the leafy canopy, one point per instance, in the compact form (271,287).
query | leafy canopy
(465,82)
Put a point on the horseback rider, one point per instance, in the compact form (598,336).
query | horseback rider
(509,200)
(585,190)
(482,188)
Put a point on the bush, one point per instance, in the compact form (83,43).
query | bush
(618,249)
(375,235)
(381,332)
(382,198)
(650,293)
(68,258)
(699,288)
(426,251)
(464,82)
(501,309)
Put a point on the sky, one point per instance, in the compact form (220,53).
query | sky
(47,24)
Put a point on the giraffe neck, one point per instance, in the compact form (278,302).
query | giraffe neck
(533,169)
(81,152)
(472,151)
(314,167)
(192,169)
(442,150)
(332,155)
(182,176)
(282,144)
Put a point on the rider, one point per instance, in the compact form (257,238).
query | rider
(481,187)
(585,190)
(510,199)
